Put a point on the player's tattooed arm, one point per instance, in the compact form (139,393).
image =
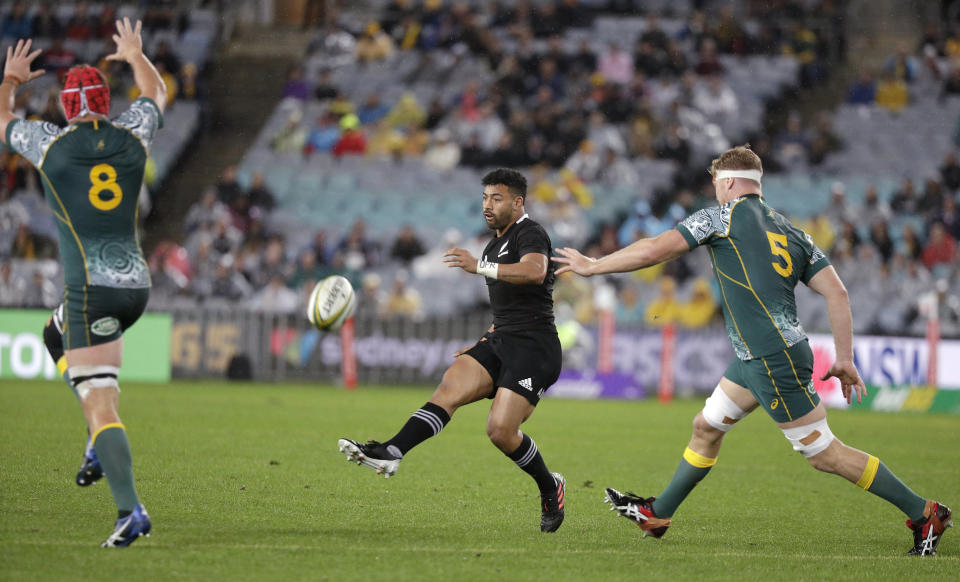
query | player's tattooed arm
(638,255)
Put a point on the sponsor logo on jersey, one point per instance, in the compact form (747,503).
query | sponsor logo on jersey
(810,388)
(503,250)
(105,326)
(774,403)
(527,383)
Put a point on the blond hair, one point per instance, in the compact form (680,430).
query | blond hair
(738,158)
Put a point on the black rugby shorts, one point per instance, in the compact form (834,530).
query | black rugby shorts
(527,363)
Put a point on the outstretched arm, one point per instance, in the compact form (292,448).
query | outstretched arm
(640,254)
(828,284)
(531,269)
(130,49)
(16,72)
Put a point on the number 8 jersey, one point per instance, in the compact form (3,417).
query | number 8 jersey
(91,173)
(758,258)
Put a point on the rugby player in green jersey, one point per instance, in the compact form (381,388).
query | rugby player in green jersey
(758,258)
(91,172)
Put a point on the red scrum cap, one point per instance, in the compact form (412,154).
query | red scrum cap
(85,91)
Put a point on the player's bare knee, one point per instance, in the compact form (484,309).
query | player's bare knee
(704,431)
(823,462)
(500,433)
(87,379)
(495,430)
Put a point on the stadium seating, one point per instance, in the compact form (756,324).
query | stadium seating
(347,193)
(193,45)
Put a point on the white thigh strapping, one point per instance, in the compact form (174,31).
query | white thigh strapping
(87,378)
(720,411)
(811,439)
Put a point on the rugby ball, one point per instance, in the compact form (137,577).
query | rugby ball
(331,303)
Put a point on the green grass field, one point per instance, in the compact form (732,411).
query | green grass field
(244,482)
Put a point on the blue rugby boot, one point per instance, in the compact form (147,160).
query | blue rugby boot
(129,528)
(90,471)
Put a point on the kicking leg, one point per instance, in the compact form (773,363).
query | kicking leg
(723,409)
(726,406)
(465,381)
(508,412)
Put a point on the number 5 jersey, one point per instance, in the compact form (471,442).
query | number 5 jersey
(758,258)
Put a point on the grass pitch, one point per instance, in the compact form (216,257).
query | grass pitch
(244,482)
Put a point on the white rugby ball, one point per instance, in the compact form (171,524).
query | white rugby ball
(331,303)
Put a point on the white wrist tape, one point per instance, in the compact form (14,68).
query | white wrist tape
(488,269)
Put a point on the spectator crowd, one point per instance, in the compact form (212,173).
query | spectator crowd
(576,114)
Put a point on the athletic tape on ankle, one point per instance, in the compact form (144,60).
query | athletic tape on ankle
(87,378)
(720,411)
(811,439)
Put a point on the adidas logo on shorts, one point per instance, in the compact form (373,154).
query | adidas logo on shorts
(527,383)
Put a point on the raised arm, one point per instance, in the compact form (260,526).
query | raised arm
(828,284)
(640,254)
(16,72)
(130,50)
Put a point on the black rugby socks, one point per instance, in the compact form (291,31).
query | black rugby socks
(426,422)
(528,458)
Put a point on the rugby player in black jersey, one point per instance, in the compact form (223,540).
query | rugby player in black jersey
(513,363)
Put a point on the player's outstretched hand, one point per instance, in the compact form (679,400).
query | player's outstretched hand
(573,260)
(850,380)
(461,258)
(129,43)
(19,59)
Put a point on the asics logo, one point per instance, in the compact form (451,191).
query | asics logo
(928,542)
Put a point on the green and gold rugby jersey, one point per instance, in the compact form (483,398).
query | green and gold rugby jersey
(758,258)
(92,172)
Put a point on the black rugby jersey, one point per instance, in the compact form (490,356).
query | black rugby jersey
(521,307)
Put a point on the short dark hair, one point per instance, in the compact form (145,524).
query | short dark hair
(512,179)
